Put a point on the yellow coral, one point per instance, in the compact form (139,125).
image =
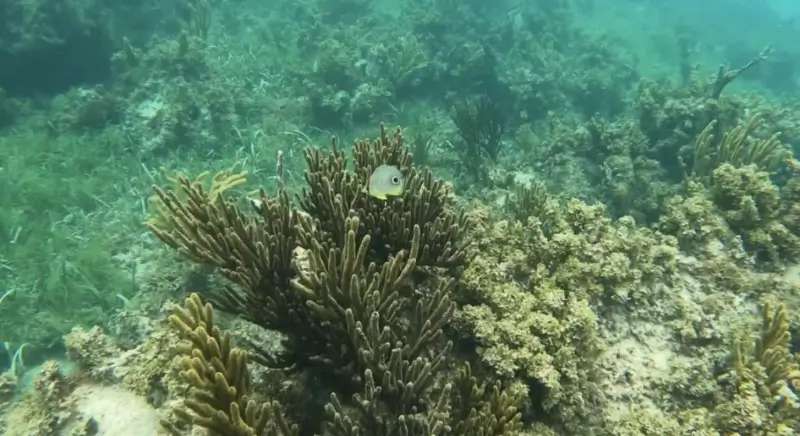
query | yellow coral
(481,410)
(768,368)
(738,147)
(215,187)
(528,201)
(535,287)
(221,399)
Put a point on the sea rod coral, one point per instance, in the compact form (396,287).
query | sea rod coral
(337,280)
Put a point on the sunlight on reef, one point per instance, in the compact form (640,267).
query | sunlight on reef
(592,227)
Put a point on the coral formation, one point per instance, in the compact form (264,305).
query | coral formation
(481,123)
(738,147)
(755,393)
(103,390)
(538,290)
(725,75)
(406,316)
(45,410)
(214,188)
(337,280)
(360,307)
(89,349)
(254,254)
(528,201)
(333,194)
(221,400)
(767,379)
(756,209)
(741,202)
(479,409)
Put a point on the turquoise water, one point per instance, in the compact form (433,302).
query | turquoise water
(672,123)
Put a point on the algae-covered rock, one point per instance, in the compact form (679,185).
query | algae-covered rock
(752,206)
(739,203)
(540,289)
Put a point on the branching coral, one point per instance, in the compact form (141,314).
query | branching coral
(214,188)
(770,359)
(221,399)
(738,147)
(413,422)
(256,254)
(333,194)
(767,380)
(481,123)
(464,407)
(481,410)
(338,283)
(725,76)
(196,16)
(405,58)
(360,308)
(672,118)
(729,176)
(528,201)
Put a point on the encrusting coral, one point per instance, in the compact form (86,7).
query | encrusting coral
(221,399)
(742,202)
(537,290)
(755,209)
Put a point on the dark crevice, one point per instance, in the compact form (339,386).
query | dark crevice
(81,60)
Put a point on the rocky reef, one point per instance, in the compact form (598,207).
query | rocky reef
(583,246)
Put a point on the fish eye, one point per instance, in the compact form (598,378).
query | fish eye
(396,180)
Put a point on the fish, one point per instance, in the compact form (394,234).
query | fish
(385,181)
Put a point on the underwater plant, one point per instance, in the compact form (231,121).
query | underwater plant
(481,122)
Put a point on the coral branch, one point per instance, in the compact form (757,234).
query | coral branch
(255,254)
(333,194)
(726,76)
(220,400)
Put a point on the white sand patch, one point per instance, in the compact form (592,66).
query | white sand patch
(116,411)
